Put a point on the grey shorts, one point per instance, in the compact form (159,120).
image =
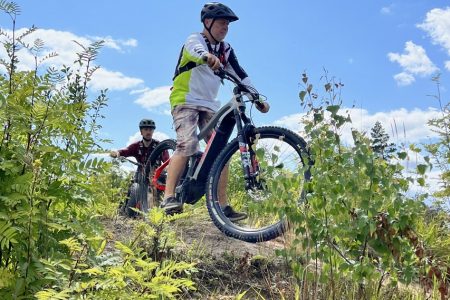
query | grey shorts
(186,119)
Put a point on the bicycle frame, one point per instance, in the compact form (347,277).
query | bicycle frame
(223,122)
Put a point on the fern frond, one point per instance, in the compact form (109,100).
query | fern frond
(156,216)
(6,278)
(124,249)
(4,33)
(7,234)
(72,244)
(54,75)
(93,271)
(50,294)
(48,56)
(26,33)
(101,248)
(90,52)
(10,7)
(146,265)
(91,71)
(38,44)
(3,62)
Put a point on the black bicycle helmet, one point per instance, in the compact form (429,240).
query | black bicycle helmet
(216,10)
(147,123)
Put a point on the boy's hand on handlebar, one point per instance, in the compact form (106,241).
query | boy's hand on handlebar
(212,61)
(260,103)
(114,154)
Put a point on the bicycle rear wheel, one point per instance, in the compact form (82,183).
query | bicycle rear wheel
(283,169)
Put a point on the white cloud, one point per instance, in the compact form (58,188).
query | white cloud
(404,79)
(437,25)
(63,43)
(60,42)
(160,136)
(402,125)
(387,10)
(152,98)
(116,44)
(291,122)
(134,138)
(157,135)
(414,62)
(447,65)
(409,126)
(103,78)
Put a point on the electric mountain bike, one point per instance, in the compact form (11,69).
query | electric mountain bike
(265,168)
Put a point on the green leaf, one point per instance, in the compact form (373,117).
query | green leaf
(7,234)
(421,168)
(50,294)
(241,296)
(333,109)
(402,155)
(101,248)
(421,181)
(318,117)
(304,78)
(93,271)
(302,95)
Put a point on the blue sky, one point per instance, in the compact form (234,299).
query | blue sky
(385,52)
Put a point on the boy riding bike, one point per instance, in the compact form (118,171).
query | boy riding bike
(140,149)
(194,92)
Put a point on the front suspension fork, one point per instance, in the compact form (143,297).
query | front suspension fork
(250,164)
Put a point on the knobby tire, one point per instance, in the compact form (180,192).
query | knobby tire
(283,139)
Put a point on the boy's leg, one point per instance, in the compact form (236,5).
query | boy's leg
(185,123)
(229,212)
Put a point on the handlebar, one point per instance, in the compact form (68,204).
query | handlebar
(224,74)
(123,158)
(252,93)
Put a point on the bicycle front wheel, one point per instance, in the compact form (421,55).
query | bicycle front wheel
(137,200)
(280,162)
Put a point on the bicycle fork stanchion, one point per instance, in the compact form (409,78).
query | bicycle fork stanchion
(247,155)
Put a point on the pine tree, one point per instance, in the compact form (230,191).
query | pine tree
(380,142)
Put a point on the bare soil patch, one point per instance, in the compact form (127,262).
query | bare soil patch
(226,267)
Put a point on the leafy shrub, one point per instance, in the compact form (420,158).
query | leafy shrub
(50,235)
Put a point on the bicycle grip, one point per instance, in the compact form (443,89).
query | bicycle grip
(262,106)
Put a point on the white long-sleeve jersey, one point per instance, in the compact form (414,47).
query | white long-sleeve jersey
(195,83)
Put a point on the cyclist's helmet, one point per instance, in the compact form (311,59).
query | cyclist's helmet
(216,10)
(147,123)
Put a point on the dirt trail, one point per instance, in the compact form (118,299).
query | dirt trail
(227,266)
(218,243)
